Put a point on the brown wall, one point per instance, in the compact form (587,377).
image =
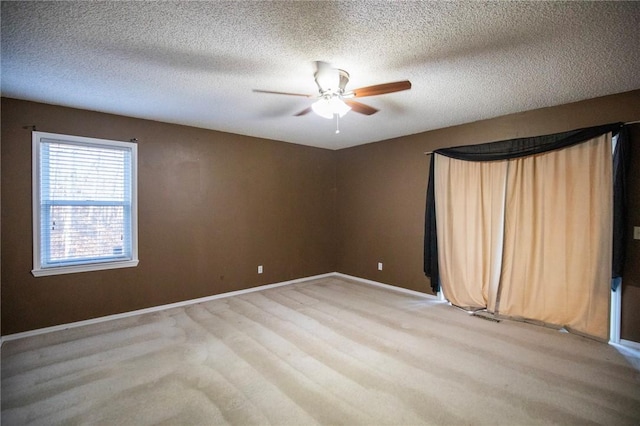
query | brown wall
(212,207)
(382,186)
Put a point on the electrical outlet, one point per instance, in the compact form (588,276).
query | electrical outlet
(636,232)
(259,269)
(379,266)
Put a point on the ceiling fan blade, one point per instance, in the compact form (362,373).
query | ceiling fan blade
(282,93)
(303,112)
(359,107)
(381,89)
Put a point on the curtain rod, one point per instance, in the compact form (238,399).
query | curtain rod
(627,123)
(32,127)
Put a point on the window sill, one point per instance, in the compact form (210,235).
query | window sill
(84,268)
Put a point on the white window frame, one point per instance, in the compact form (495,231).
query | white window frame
(615,315)
(40,270)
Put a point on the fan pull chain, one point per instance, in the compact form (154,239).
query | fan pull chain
(337,124)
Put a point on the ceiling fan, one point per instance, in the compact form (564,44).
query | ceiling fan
(334,99)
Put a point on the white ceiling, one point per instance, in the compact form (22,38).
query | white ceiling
(196,63)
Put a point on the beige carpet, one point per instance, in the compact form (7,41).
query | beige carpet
(329,351)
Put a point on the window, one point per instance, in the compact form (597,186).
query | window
(84,204)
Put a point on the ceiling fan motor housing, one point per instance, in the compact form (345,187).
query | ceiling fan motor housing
(331,81)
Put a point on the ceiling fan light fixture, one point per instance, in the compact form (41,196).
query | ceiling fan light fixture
(332,83)
(327,107)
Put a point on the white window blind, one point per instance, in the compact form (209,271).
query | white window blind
(84,204)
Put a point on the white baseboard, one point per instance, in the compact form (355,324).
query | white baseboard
(630,344)
(51,329)
(626,343)
(387,286)
(54,328)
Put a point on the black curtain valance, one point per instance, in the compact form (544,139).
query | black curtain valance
(523,147)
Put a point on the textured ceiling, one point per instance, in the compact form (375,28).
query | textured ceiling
(196,63)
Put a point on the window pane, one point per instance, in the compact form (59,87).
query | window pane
(86,232)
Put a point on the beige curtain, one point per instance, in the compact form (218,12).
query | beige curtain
(470,199)
(557,247)
(529,238)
